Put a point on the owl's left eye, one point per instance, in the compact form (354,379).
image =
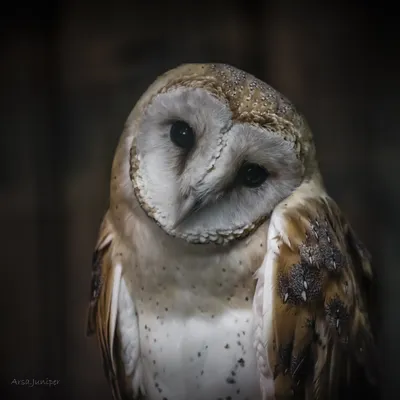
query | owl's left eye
(182,135)
(252,175)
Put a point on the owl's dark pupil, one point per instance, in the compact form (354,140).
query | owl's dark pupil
(252,175)
(182,135)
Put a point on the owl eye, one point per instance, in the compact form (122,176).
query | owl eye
(252,175)
(182,135)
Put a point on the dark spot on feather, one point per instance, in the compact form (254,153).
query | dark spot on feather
(223,269)
(226,346)
(230,380)
(97,280)
(246,298)
(321,248)
(166,308)
(337,315)
(199,354)
(310,323)
(233,373)
(241,362)
(228,398)
(238,391)
(202,372)
(301,284)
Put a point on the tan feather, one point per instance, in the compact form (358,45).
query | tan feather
(321,330)
(100,319)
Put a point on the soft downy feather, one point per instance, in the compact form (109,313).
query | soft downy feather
(314,338)
(103,307)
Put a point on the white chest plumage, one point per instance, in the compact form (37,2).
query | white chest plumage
(198,356)
(194,321)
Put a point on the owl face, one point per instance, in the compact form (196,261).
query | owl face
(202,173)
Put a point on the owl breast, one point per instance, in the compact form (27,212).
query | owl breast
(195,320)
(199,356)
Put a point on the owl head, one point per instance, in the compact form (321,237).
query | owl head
(209,151)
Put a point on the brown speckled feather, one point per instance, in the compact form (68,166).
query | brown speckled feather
(99,314)
(321,332)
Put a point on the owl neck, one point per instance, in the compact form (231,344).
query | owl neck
(158,261)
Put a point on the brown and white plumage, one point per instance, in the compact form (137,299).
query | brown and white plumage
(174,304)
(319,332)
(102,308)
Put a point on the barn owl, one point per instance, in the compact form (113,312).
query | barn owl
(223,270)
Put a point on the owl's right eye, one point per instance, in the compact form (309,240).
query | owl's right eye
(182,135)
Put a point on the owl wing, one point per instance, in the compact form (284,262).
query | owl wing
(106,285)
(314,334)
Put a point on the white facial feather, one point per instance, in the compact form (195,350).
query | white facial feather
(159,156)
(221,146)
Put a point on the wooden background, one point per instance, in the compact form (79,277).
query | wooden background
(69,75)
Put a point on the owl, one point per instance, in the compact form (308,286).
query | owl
(223,269)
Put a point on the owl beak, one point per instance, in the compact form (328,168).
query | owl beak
(188,207)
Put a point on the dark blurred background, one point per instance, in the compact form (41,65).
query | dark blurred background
(70,74)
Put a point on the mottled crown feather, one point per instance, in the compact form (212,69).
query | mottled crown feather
(250,100)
